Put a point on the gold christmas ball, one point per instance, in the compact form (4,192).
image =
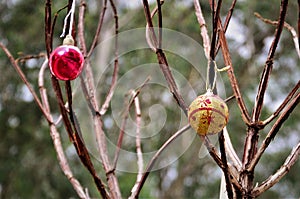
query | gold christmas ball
(208,114)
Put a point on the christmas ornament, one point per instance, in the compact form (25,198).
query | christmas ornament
(208,114)
(66,61)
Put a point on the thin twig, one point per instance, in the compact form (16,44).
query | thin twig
(269,64)
(48,31)
(24,79)
(203,28)
(155,157)
(226,23)
(287,26)
(298,23)
(284,169)
(159,16)
(81,28)
(232,78)
(215,19)
(163,63)
(274,130)
(99,27)
(127,105)
(116,64)
(140,161)
(283,105)
(139,152)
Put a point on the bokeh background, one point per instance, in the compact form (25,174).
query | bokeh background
(28,163)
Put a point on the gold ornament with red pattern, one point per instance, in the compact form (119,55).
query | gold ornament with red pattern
(208,114)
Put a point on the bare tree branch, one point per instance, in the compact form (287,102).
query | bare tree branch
(269,64)
(226,23)
(24,79)
(284,169)
(155,157)
(116,64)
(203,28)
(99,28)
(230,72)
(140,161)
(163,63)
(251,141)
(63,162)
(288,98)
(287,26)
(81,31)
(215,13)
(274,130)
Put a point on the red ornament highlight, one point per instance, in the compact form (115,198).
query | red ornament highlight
(208,114)
(66,62)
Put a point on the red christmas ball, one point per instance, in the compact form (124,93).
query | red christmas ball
(66,62)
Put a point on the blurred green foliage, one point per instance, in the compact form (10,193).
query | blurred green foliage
(29,167)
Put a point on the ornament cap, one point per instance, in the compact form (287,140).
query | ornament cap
(68,40)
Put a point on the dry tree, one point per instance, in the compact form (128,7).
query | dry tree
(238,173)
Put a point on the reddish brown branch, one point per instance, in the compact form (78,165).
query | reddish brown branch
(232,78)
(274,130)
(159,15)
(226,23)
(288,98)
(215,19)
(287,26)
(284,169)
(251,142)
(269,64)
(163,63)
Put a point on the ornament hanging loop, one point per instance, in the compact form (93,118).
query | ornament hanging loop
(70,15)
(211,77)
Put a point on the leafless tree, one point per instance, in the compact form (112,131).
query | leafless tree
(238,173)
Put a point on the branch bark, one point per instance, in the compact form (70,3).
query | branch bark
(274,130)
(163,63)
(284,169)
(155,157)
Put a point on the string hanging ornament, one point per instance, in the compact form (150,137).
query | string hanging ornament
(208,113)
(66,61)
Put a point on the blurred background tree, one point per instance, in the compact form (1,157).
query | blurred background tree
(29,167)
